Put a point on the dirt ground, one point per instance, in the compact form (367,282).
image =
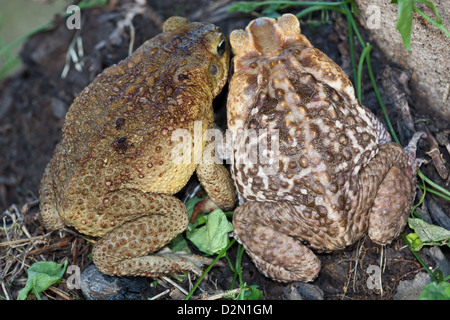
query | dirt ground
(34,101)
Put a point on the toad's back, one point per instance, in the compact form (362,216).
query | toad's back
(326,136)
(335,176)
(118,131)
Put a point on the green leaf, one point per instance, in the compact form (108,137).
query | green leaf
(354,8)
(404,22)
(190,204)
(433,7)
(42,275)
(436,291)
(429,234)
(179,243)
(252,293)
(414,241)
(213,236)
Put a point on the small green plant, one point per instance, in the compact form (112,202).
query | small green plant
(41,275)
(426,234)
(209,233)
(437,289)
(247,292)
(405,18)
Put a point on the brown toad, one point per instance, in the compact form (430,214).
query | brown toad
(113,176)
(337,173)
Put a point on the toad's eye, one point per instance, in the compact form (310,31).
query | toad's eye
(221,47)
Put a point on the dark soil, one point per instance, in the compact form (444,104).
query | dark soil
(34,101)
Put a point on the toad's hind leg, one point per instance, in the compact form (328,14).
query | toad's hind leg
(391,176)
(125,249)
(273,245)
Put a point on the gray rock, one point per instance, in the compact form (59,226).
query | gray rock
(429,56)
(98,286)
(442,219)
(442,261)
(302,291)
(411,289)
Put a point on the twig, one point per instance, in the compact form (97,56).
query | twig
(28,205)
(160,294)
(174,284)
(72,55)
(59,292)
(127,21)
(8,243)
(25,230)
(442,138)
(435,154)
(358,254)
(223,294)
(5,291)
(61,243)
(382,266)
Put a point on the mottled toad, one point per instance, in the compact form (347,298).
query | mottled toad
(334,174)
(113,175)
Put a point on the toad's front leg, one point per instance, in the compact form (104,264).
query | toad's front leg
(264,230)
(216,180)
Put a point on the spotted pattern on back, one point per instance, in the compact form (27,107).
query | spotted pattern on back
(325,135)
